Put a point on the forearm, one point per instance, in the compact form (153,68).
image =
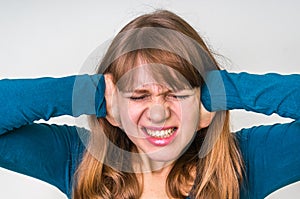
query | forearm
(24,101)
(267,94)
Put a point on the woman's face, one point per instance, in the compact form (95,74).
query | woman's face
(161,122)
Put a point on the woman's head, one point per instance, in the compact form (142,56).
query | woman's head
(158,63)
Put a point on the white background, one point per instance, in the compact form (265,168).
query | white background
(53,38)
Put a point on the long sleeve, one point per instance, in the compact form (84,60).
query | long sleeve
(268,93)
(271,153)
(47,152)
(24,101)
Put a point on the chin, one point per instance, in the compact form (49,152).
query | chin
(161,156)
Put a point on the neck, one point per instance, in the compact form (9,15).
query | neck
(148,166)
(153,177)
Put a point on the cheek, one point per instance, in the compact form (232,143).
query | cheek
(130,115)
(135,112)
(189,125)
(190,116)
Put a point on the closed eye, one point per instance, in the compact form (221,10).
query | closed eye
(137,98)
(178,97)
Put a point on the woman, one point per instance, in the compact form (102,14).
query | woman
(157,139)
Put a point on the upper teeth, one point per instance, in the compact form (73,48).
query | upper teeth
(161,133)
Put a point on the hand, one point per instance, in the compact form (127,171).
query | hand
(112,111)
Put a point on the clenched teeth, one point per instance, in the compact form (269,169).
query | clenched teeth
(160,133)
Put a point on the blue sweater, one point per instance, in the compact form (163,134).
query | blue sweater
(52,152)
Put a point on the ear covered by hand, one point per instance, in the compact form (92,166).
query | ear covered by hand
(112,109)
(206,117)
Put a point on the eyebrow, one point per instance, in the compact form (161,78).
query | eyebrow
(145,91)
(142,91)
(139,91)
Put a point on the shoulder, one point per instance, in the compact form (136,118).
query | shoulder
(268,142)
(270,155)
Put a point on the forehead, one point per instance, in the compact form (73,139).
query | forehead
(152,76)
(152,87)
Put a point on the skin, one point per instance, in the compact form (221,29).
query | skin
(155,105)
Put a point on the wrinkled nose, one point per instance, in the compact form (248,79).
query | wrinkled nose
(158,113)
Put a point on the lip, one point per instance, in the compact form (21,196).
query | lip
(160,141)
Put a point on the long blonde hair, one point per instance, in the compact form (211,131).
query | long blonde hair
(218,174)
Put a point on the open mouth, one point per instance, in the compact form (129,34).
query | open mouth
(163,133)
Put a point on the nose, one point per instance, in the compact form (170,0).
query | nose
(158,113)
